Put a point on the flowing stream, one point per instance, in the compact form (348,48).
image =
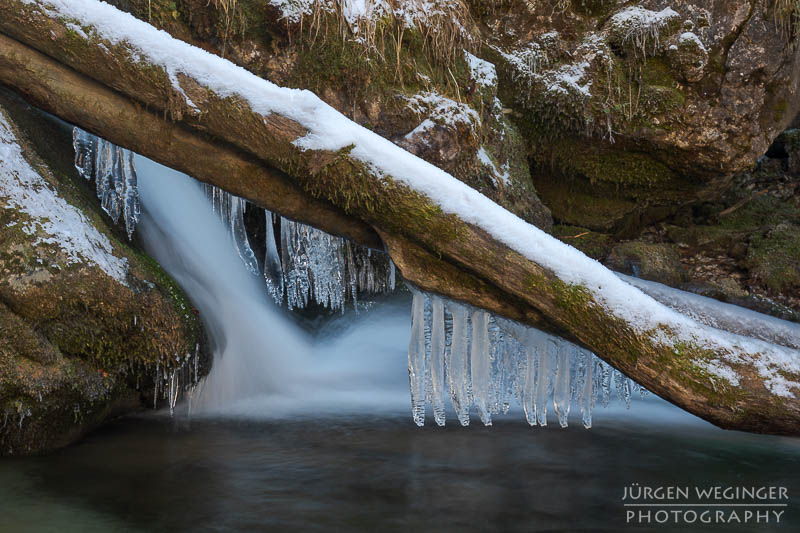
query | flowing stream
(307,429)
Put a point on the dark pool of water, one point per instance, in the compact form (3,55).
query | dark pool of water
(381,473)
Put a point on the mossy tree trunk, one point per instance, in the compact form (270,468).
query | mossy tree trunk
(106,89)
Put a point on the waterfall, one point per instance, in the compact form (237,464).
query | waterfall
(264,364)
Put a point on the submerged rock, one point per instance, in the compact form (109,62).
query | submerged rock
(84,318)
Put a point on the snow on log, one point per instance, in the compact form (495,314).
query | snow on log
(431,222)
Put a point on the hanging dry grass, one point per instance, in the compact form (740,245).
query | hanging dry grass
(446,26)
(787,16)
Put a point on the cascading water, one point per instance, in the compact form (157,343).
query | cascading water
(264,365)
(257,349)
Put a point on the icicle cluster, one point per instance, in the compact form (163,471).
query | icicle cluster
(313,265)
(304,264)
(114,173)
(489,362)
(230,209)
(175,379)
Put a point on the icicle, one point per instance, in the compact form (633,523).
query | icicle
(392,275)
(586,396)
(273,270)
(239,234)
(196,362)
(514,359)
(626,392)
(619,378)
(352,279)
(458,367)
(606,383)
(85,146)
(114,173)
(496,357)
(131,209)
(155,391)
(561,393)
(529,384)
(103,165)
(544,383)
(293,242)
(428,316)
(480,364)
(416,359)
(437,356)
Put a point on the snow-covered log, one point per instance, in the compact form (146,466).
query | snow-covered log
(116,76)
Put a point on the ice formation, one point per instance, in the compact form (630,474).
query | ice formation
(301,263)
(112,168)
(307,265)
(173,381)
(312,265)
(230,209)
(490,362)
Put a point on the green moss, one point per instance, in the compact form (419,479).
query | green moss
(594,244)
(570,296)
(774,258)
(653,261)
(654,71)
(601,163)
(575,203)
(349,185)
(687,363)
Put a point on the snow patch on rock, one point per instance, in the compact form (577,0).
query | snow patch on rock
(51,217)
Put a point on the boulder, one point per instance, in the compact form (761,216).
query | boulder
(89,325)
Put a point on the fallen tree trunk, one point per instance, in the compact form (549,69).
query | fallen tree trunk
(79,100)
(443,237)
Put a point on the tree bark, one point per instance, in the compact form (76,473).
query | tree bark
(106,89)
